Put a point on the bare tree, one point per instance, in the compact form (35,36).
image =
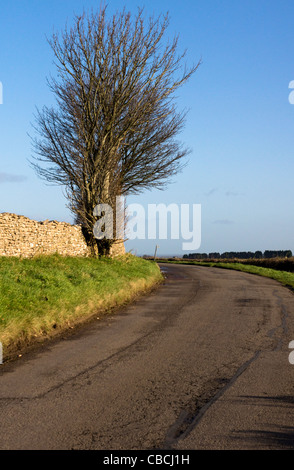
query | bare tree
(115,126)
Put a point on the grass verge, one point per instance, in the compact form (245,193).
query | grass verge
(284,277)
(44,296)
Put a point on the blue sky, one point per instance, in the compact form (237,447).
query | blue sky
(239,126)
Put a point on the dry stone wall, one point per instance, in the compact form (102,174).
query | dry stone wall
(21,236)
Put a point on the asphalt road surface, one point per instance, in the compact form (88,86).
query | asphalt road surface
(200,363)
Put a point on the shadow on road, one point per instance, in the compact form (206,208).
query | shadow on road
(280,436)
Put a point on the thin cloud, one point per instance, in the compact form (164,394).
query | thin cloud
(211,191)
(223,222)
(10,178)
(227,193)
(232,193)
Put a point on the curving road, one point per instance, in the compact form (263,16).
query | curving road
(201,363)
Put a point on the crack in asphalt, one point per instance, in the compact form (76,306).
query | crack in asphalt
(190,416)
(80,374)
(108,361)
(188,420)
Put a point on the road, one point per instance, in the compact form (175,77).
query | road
(200,363)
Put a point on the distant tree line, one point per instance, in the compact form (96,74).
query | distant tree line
(241,255)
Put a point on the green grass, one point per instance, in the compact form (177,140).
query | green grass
(284,277)
(42,296)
